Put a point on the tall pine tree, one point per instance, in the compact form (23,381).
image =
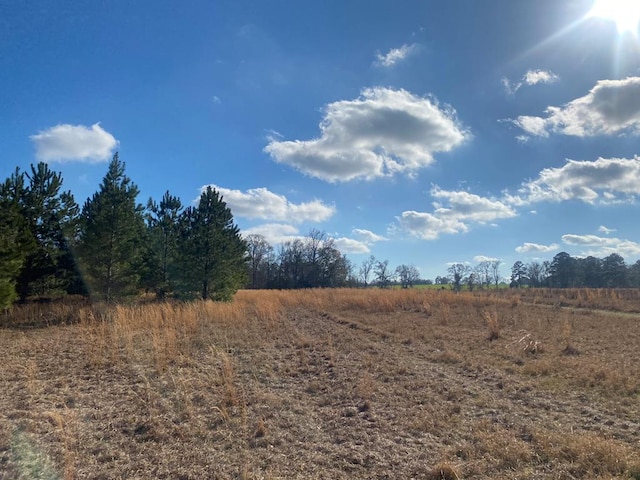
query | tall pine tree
(163,221)
(51,217)
(111,236)
(212,252)
(15,241)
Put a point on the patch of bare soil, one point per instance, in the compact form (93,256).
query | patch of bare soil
(327,390)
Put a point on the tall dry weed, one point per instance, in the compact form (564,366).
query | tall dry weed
(491,320)
(567,329)
(444,313)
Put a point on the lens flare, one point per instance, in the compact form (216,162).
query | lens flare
(625,13)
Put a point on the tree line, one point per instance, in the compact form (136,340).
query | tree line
(315,262)
(563,271)
(310,262)
(113,247)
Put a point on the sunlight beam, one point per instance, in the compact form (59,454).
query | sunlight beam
(624,13)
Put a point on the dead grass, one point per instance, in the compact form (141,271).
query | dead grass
(443,472)
(491,319)
(323,384)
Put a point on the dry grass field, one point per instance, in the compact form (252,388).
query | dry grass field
(325,384)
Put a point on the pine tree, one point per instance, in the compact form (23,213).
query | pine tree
(163,222)
(51,217)
(212,252)
(111,236)
(12,242)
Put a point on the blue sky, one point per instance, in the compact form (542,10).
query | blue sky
(422,132)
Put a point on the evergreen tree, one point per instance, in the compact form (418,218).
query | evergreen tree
(562,271)
(518,274)
(12,254)
(589,271)
(212,252)
(163,222)
(614,271)
(51,217)
(111,236)
(634,275)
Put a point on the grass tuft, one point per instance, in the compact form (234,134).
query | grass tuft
(444,471)
(491,320)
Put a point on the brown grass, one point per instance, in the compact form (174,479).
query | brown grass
(491,319)
(324,384)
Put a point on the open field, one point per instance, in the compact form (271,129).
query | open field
(326,384)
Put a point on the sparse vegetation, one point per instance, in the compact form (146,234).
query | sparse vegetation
(323,384)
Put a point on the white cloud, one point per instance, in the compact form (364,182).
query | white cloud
(572,239)
(349,245)
(448,264)
(260,203)
(606,230)
(483,258)
(275,233)
(535,126)
(461,209)
(611,107)
(468,206)
(381,133)
(394,56)
(509,86)
(74,143)
(532,77)
(537,248)
(603,181)
(367,236)
(626,248)
(603,245)
(428,226)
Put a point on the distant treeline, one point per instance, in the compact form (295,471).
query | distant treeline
(563,271)
(310,262)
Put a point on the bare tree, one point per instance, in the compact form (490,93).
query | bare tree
(458,271)
(313,244)
(366,268)
(495,271)
(478,277)
(408,275)
(534,273)
(258,251)
(484,272)
(383,274)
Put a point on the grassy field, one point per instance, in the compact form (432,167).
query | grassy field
(325,384)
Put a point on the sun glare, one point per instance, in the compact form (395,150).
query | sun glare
(625,13)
